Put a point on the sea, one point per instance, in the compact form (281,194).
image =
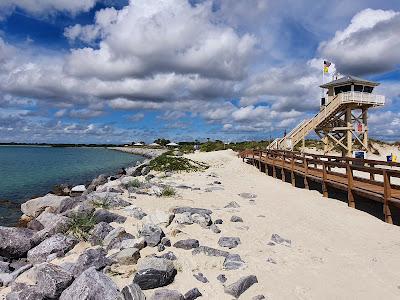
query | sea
(27,172)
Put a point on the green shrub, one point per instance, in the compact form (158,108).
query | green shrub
(101,203)
(168,191)
(135,183)
(81,224)
(168,162)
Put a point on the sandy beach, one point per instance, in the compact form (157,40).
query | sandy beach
(335,252)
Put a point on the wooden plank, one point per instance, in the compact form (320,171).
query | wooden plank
(386,197)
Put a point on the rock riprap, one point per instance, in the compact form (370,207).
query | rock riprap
(239,287)
(91,285)
(154,272)
(15,242)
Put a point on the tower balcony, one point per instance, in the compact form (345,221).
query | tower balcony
(362,98)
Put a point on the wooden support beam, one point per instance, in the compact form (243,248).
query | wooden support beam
(260,167)
(349,135)
(386,197)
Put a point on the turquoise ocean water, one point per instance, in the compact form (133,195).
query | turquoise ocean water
(26,172)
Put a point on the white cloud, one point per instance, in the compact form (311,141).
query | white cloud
(46,7)
(368,45)
(151,36)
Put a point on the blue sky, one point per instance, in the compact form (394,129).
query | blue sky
(119,71)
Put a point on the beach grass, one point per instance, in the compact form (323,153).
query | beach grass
(81,224)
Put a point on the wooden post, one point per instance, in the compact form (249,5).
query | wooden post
(260,167)
(324,178)
(350,195)
(305,173)
(283,168)
(292,172)
(252,161)
(371,175)
(386,197)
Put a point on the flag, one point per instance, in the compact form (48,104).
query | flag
(326,66)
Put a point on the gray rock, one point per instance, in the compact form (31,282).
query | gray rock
(164,294)
(239,287)
(184,218)
(99,180)
(183,187)
(258,297)
(280,240)
(35,207)
(187,244)
(135,212)
(169,255)
(152,234)
(233,262)
(149,177)
(52,223)
(82,208)
(108,199)
(209,251)
(91,285)
(166,241)
(200,277)
(7,278)
(19,263)
(232,204)
(91,258)
(218,221)
(133,292)
(154,272)
(52,280)
(145,170)
(221,278)
(116,242)
(202,220)
(214,228)
(139,243)
(15,242)
(4,267)
(248,195)
(236,219)
(22,291)
(99,232)
(160,248)
(191,210)
(159,218)
(58,243)
(192,294)
(102,215)
(229,242)
(127,256)
(114,233)
(34,225)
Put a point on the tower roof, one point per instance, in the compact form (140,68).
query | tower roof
(348,79)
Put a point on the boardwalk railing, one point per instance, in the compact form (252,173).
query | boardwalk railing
(370,179)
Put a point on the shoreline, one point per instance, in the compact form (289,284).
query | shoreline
(146,152)
(218,232)
(17,206)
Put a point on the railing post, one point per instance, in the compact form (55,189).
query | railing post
(283,168)
(260,160)
(324,177)
(372,175)
(386,197)
(306,186)
(292,172)
(350,185)
(273,166)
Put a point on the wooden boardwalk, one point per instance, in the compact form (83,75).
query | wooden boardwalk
(368,179)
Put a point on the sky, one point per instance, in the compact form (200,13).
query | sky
(117,71)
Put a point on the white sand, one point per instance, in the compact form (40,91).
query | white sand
(337,252)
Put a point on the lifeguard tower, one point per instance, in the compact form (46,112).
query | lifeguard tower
(343,117)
